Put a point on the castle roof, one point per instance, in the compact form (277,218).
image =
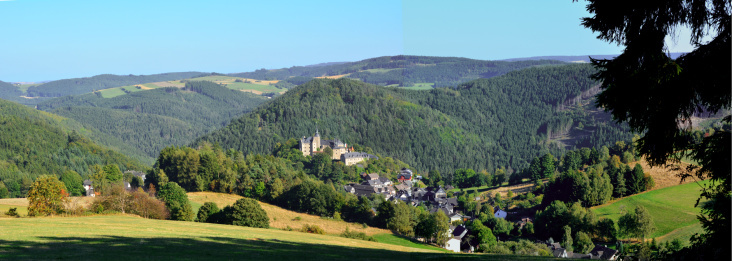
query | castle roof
(350,155)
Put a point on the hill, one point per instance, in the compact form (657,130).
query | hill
(10,92)
(154,119)
(35,143)
(281,218)
(402,70)
(88,84)
(484,124)
(672,209)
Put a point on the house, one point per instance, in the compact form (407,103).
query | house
(604,253)
(499,213)
(349,189)
(135,173)
(385,181)
(404,175)
(523,222)
(456,217)
(369,176)
(350,158)
(453,244)
(558,250)
(89,188)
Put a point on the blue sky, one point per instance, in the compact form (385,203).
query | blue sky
(48,40)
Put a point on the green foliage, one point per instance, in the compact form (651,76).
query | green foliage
(34,143)
(567,241)
(357,235)
(584,243)
(152,120)
(73,183)
(247,212)
(314,229)
(176,200)
(638,223)
(208,210)
(12,212)
(46,196)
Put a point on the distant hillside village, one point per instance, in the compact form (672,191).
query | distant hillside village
(407,190)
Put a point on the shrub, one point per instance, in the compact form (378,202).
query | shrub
(12,212)
(357,235)
(146,206)
(247,212)
(312,229)
(208,209)
(296,219)
(176,200)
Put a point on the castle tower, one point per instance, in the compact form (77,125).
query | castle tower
(316,141)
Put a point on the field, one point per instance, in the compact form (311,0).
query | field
(127,237)
(672,209)
(420,86)
(281,218)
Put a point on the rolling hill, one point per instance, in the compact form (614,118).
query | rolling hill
(153,119)
(34,143)
(483,124)
(402,70)
(88,84)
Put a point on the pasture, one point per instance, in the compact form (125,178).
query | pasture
(127,237)
(672,209)
(420,86)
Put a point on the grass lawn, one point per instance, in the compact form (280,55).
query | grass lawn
(420,86)
(672,209)
(112,92)
(401,241)
(22,210)
(125,237)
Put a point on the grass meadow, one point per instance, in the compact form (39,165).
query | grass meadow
(672,209)
(127,237)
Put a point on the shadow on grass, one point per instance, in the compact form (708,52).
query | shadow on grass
(207,248)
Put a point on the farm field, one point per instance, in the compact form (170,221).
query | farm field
(281,218)
(127,237)
(672,209)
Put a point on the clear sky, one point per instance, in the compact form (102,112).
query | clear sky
(56,39)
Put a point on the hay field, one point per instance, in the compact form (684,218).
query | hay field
(281,218)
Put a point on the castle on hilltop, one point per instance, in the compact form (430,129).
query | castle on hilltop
(311,145)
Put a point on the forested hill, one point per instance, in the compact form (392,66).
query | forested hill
(403,70)
(89,84)
(10,92)
(33,143)
(484,124)
(153,119)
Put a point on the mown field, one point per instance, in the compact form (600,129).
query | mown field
(125,237)
(672,209)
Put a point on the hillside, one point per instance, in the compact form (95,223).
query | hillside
(672,209)
(151,120)
(281,218)
(88,84)
(484,124)
(10,92)
(402,70)
(35,143)
(125,237)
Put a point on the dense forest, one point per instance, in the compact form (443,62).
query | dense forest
(403,70)
(151,120)
(10,92)
(483,125)
(89,84)
(34,143)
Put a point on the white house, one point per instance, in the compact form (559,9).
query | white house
(89,188)
(453,244)
(499,213)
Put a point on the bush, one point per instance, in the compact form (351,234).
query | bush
(206,211)
(357,235)
(312,229)
(147,206)
(247,212)
(12,212)
(46,196)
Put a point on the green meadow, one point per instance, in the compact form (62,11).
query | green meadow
(125,237)
(672,209)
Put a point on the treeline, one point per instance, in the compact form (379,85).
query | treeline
(151,120)
(34,143)
(89,84)
(481,125)
(403,70)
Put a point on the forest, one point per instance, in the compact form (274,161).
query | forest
(35,143)
(484,124)
(151,120)
(403,70)
(76,86)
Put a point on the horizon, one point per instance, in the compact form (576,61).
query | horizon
(75,39)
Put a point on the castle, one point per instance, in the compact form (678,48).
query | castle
(311,145)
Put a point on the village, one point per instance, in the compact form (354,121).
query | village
(406,191)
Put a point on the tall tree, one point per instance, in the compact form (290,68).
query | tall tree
(46,196)
(667,92)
